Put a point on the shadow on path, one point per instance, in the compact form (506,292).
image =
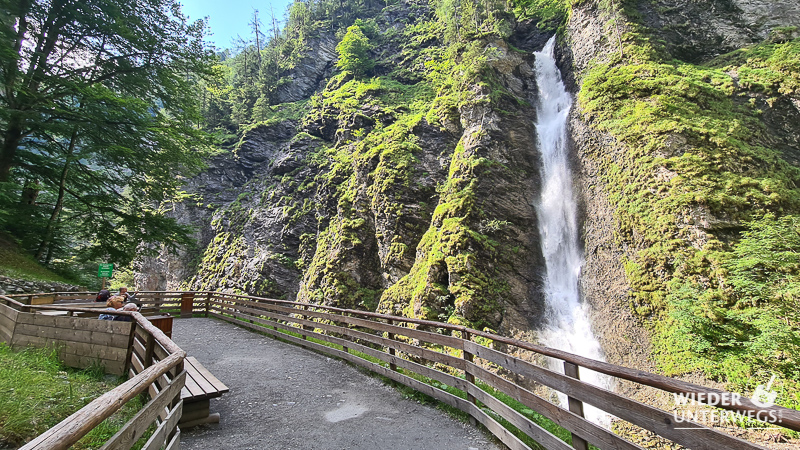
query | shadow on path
(285,397)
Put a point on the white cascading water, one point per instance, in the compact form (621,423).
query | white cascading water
(567,320)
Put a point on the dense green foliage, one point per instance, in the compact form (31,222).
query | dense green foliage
(38,392)
(98,122)
(253,73)
(18,264)
(353,52)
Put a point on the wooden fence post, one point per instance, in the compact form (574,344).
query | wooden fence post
(575,406)
(149,349)
(187,304)
(302,326)
(469,357)
(208,303)
(392,366)
(129,354)
(344,347)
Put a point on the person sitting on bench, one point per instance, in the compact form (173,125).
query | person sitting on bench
(113,304)
(127,307)
(103,296)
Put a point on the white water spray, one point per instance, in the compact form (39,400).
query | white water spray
(567,320)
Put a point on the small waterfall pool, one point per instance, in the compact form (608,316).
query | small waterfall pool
(567,318)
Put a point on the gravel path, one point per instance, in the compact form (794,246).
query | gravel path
(285,397)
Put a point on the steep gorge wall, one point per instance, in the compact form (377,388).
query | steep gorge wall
(368,200)
(664,88)
(387,194)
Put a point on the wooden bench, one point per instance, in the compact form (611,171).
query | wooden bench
(201,386)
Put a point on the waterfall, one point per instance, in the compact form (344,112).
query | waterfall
(567,325)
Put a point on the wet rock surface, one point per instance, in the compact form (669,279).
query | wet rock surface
(285,397)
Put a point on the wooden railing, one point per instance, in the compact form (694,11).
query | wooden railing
(156,369)
(456,356)
(410,350)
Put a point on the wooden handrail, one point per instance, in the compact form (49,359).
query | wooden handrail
(790,417)
(73,428)
(258,312)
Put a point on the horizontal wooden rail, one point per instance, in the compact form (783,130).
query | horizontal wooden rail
(790,417)
(159,373)
(409,348)
(369,333)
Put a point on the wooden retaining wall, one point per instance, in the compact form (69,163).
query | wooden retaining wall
(156,371)
(81,342)
(8,321)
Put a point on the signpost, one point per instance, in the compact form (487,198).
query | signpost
(105,271)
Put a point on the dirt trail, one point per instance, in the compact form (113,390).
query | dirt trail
(285,397)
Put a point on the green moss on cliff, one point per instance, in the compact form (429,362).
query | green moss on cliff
(698,170)
(447,281)
(380,150)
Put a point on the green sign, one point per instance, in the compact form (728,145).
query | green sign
(105,270)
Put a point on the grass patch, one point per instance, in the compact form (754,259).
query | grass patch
(37,392)
(18,265)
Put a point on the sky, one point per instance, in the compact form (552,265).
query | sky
(229,18)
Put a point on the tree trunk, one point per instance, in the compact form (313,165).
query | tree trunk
(11,140)
(62,183)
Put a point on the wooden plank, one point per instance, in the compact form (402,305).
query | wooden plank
(7,311)
(595,434)
(81,323)
(175,443)
(138,348)
(524,424)
(191,389)
(164,380)
(136,364)
(159,352)
(155,294)
(209,381)
(43,299)
(7,325)
(137,426)
(21,341)
(6,336)
(195,410)
(645,416)
(93,350)
(82,362)
(141,334)
(159,437)
(89,337)
(498,430)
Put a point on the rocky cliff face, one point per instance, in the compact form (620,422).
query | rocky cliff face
(385,194)
(375,206)
(663,215)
